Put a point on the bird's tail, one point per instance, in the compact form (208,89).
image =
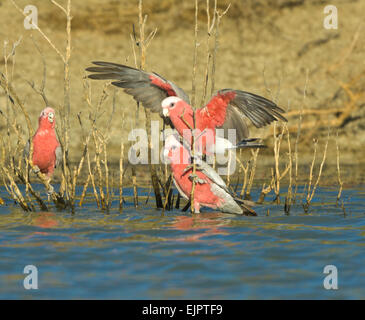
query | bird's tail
(246,206)
(249,143)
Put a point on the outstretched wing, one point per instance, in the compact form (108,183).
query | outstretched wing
(148,88)
(59,156)
(228,108)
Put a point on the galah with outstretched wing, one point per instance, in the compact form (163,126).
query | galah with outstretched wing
(226,110)
(47,152)
(210,189)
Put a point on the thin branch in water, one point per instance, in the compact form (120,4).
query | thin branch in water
(338,170)
(195,56)
(298,135)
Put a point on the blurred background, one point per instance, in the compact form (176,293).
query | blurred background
(265,47)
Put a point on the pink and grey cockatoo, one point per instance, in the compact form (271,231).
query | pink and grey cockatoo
(210,189)
(47,152)
(227,109)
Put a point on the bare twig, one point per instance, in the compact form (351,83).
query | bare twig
(338,171)
(195,57)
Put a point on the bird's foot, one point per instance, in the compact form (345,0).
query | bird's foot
(196,207)
(194,177)
(191,166)
(36,169)
(50,190)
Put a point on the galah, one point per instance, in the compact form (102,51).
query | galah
(227,109)
(204,122)
(210,189)
(47,152)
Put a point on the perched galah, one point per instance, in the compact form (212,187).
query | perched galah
(47,152)
(210,189)
(227,109)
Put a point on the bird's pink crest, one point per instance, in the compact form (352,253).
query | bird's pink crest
(46,111)
(47,118)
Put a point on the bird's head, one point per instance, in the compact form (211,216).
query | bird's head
(169,104)
(47,118)
(174,151)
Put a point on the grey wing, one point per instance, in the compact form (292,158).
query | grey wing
(234,120)
(148,88)
(59,156)
(212,175)
(232,204)
(259,110)
(229,205)
(220,189)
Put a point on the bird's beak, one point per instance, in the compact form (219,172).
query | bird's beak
(165,112)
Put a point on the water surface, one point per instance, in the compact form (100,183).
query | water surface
(144,254)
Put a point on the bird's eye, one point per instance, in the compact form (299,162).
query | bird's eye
(51,117)
(172,104)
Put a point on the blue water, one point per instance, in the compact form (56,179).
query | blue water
(144,254)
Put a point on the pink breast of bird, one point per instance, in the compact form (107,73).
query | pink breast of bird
(203,193)
(210,117)
(44,147)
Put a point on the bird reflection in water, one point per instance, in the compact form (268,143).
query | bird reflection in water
(203,224)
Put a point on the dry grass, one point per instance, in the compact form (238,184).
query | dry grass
(234,51)
(269,40)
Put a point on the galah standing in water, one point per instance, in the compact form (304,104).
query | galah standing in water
(47,152)
(210,189)
(227,109)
